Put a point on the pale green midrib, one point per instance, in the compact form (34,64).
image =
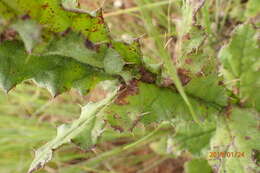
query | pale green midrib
(175,78)
(211,103)
(245,43)
(231,139)
(86,120)
(169,66)
(52,145)
(128,147)
(198,135)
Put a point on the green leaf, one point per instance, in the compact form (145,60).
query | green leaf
(197,166)
(93,28)
(147,103)
(253,8)
(113,62)
(199,63)
(163,146)
(73,45)
(241,64)
(89,137)
(6,12)
(67,132)
(130,52)
(196,36)
(207,89)
(99,55)
(237,133)
(30,33)
(184,25)
(52,14)
(194,138)
(56,73)
(154,65)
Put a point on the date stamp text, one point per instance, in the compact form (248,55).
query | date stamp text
(216,155)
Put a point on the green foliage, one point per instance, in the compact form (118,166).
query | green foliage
(85,124)
(129,51)
(53,16)
(184,94)
(241,64)
(72,46)
(253,8)
(6,11)
(239,133)
(207,89)
(113,62)
(149,104)
(56,73)
(188,133)
(197,166)
(30,33)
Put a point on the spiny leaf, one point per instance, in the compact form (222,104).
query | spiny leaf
(57,73)
(73,45)
(130,52)
(30,33)
(208,89)
(53,16)
(94,28)
(193,40)
(113,62)
(163,146)
(237,133)
(89,137)
(98,55)
(68,132)
(188,133)
(241,64)
(146,103)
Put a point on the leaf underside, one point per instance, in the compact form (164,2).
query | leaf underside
(84,124)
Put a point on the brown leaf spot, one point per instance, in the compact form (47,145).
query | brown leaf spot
(64,33)
(135,123)
(186,37)
(101,20)
(188,61)
(96,95)
(166,82)
(184,76)
(243,1)
(228,110)
(147,76)
(90,45)
(76,161)
(235,90)
(8,34)
(255,156)
(25,17)
(44,6)
(247,137)
(125,91)
(220,83)
(118,128)
(116,116)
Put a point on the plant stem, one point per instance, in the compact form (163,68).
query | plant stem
(146,139)
(134,9)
